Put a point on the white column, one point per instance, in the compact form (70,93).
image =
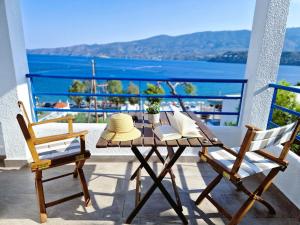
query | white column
(13,86)
(267,38)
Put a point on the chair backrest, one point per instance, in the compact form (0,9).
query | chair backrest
(272,137)
(256,139)
(27,130)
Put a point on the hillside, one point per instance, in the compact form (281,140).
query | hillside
(287,58)
(195,46)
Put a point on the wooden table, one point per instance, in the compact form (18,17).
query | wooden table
(148,139)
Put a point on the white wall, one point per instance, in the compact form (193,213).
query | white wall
(267,37)
(288,181)
(13,86)
(229,105)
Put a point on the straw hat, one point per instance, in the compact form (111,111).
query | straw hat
(120,128)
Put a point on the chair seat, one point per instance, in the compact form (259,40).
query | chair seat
(253,163)
(59,149)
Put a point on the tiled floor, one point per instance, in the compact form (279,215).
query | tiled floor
(113,197)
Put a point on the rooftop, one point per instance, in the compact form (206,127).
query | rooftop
(113,195)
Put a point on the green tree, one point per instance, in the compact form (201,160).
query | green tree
(288,100)
(189,88)
(153,89)
(115,87)
(230,123)
(133,89)
(77,87)
(88,89)
(285,99)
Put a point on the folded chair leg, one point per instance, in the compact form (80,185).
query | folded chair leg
(268,205)
(242,211)
(258,192)
(40,196)
(75,175)
(241,187)
(208,189)
(84,187)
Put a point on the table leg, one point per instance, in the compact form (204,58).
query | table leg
(171,154)
(157,183)
(159,156)
(150,153)
(141,165)
(138,188)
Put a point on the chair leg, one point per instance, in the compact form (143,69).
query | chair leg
(241,187)
(208,189)
(75,175)
(268,205)
(84,187)
(257,193)
(40,196)
(242,211)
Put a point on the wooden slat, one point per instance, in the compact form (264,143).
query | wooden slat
(49,204)
(113,144)
(183,142)
(57,177)
(194,142)
(102,143)
(149,139)
(125,143)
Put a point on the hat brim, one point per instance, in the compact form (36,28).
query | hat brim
(111,136)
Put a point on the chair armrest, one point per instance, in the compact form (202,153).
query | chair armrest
(272,157)
(53,120)
(252,127)
(40,165)
(47,139)
(66,118)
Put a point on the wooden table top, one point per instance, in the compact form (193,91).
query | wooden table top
(148,138)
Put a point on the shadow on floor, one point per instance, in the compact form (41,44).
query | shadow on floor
(112,196)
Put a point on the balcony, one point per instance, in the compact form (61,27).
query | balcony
(109,170)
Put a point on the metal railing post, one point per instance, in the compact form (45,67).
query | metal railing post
(33,100)
(240,104)
(272,108)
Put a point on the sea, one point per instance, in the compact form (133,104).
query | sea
(75,65)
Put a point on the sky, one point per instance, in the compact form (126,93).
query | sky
(57,23)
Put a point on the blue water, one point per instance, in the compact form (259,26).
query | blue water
(67,65)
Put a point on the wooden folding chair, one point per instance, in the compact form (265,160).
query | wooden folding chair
(52,151)
(251,158)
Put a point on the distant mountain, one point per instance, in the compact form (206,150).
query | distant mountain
(195,46)
(287,58)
